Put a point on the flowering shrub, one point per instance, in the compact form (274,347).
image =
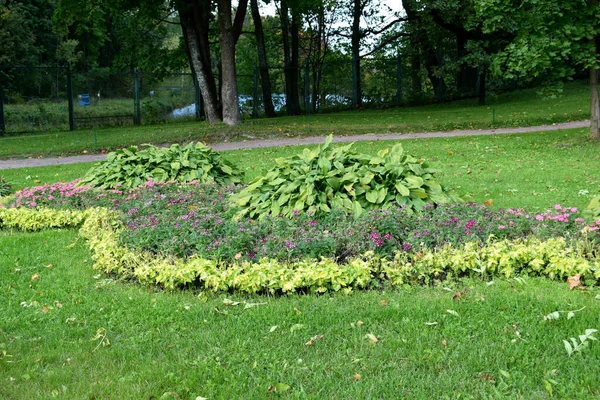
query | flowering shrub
(553,258)
(187,220)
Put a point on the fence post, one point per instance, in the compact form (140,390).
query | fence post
(70,99)
(255,93)
(137,115)
(307,94)
(399,79)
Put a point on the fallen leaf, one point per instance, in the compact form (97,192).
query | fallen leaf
(459,295)
(575,282)
(35,277)
(356,377)
(273,328)
(228,302)
(371,337)
(298,312)
(488,202)
(279,388)
(487,377)
(452,312)
(57,304)
(360,323)
(238,256)
(450,153)
(431,323)
(45,309)
(49,265)
(383,302)
(445,343)
(313,339)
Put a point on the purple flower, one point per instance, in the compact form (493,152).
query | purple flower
(406,246)
(290,245)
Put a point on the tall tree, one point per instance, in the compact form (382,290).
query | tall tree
(370,20)
(263,63)
(552,38)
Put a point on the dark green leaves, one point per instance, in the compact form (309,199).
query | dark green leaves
(130,167)
(328,178)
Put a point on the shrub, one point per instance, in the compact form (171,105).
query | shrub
(326,178)
(592,211)
(130,167)
(4,187)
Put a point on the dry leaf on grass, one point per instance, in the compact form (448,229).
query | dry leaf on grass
(575,282)
(371,337)
(313,339)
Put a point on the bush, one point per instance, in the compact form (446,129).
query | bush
(326,178)
(5,189)
(128,168)
(592,211)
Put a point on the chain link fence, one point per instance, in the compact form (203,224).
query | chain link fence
(36,99)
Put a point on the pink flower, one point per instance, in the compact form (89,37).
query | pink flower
(579,220)
(539,217)
(557,207)
(501,227)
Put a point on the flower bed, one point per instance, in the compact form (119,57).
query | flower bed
(183,220)
(177,235)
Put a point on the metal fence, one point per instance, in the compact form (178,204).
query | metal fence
(42,99)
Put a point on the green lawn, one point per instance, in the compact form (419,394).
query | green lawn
(523,108)
(494,343)
(535,170)
(69,332)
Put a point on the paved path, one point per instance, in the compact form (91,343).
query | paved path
(263,143)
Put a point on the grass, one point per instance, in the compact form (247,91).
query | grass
(73,333)
(534,170)
(523,108)
(154,344)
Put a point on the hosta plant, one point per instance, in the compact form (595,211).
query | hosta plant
(130,167)
(327,178)
(4,187)
(592,211)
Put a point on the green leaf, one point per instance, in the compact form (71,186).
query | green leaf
(403,190)
(372,196)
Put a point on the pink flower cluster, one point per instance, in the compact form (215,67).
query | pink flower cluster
(562,214)
(31,196)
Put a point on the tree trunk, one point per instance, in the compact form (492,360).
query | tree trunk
(229,89)
(263,64)
(290,70)
(294,64)
(199,54)
(594,105)
(356,72)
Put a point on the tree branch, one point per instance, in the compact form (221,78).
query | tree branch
(385,43)
(238,22)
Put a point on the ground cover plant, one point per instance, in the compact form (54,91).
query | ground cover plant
(523,108)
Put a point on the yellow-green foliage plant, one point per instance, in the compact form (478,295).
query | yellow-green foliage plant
(101,227)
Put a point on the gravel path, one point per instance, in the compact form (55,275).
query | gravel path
(263,143)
